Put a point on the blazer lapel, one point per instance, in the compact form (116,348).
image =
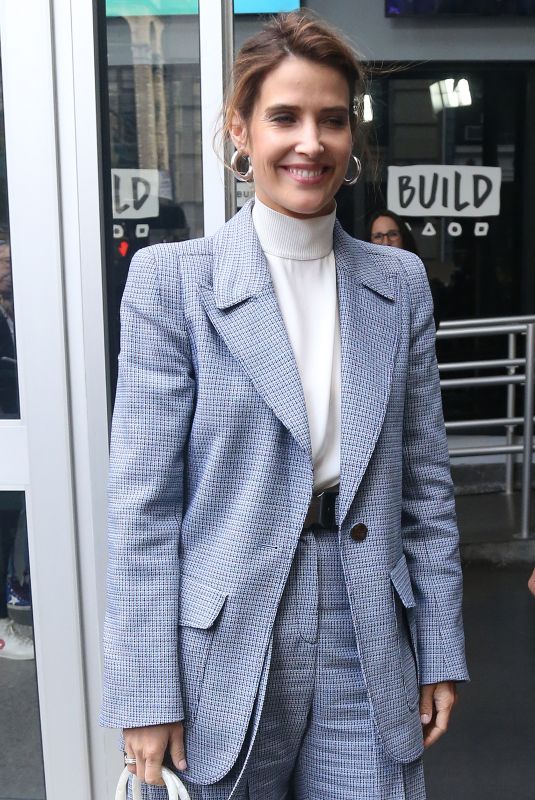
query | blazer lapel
(243,308)
(369,330)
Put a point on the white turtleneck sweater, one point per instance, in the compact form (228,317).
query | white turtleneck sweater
(301,262)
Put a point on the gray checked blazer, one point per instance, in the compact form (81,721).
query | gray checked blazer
(211,477)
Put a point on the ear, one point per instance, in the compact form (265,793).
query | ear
(238,134)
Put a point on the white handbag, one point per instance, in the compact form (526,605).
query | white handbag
(175,788)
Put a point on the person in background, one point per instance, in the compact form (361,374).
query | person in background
(14,643)
(531,582)
(9,396)
(387,228)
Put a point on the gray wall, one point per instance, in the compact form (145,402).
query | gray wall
(378,38)
(374,36)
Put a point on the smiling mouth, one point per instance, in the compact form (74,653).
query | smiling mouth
(300,172)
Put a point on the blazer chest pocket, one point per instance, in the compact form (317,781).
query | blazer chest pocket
(404,605)
(200,607)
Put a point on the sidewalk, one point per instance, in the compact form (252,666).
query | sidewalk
(488,524)
(489,751)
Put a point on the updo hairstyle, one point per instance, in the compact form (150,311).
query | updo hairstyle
(297,33)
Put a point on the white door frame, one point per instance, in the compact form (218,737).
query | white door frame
(44,432)
(216,52)
(57,453)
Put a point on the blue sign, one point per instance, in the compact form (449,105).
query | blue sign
(157,8)
(137,8)
(264,6)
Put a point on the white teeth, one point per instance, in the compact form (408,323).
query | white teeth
(305,173)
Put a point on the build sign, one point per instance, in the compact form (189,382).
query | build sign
(135,193)
(429,190)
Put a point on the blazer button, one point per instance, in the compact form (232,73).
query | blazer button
(359,532)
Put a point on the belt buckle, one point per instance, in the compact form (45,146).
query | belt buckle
(327,509)
(321,512)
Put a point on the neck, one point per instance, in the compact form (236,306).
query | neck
(290,237)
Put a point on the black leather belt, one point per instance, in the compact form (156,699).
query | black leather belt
(321,511)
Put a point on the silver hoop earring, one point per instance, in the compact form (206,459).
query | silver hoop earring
(237,156)
(358,169)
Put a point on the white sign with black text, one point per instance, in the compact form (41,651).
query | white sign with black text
(445,190)
(135,193)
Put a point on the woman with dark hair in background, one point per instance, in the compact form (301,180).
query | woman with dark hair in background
(387,228)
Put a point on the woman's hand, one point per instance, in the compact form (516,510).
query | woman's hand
(148,746)
(436,703)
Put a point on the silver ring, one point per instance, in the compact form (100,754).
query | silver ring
(129,761)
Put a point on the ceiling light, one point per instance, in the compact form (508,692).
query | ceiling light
(449,94)
(368,109)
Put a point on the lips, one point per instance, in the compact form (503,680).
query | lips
(303,173)
(308,170)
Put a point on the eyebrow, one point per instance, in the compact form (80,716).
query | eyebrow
(283,107)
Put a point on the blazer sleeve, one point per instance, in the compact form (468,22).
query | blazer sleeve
(429,527)
(151,422)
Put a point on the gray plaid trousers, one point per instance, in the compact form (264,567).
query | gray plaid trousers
(317,738)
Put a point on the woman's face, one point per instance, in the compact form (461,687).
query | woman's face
(298,138)
(386,231)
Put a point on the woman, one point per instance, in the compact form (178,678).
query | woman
(284,570)
(387,228)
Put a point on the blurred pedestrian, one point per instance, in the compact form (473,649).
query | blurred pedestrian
(531,582)
(385,227)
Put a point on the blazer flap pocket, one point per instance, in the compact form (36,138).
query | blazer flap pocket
(402,583)
(199,604)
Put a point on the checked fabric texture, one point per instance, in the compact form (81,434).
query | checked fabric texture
(317,737)
(211,476)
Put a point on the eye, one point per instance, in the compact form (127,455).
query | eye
(282,119)
(336,122)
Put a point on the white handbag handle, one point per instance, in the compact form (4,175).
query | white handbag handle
(175,788)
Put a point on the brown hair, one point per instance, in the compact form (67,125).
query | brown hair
(296,33)
(408,241)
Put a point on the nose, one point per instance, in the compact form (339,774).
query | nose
(310,143)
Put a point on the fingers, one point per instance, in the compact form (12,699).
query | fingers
(444,697)
(176,747)
(437,728)
(153,767)
(130,755)
(147,745)
(426,702)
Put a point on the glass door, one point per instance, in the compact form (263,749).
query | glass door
(163,180)
(21,760)
(43,719)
